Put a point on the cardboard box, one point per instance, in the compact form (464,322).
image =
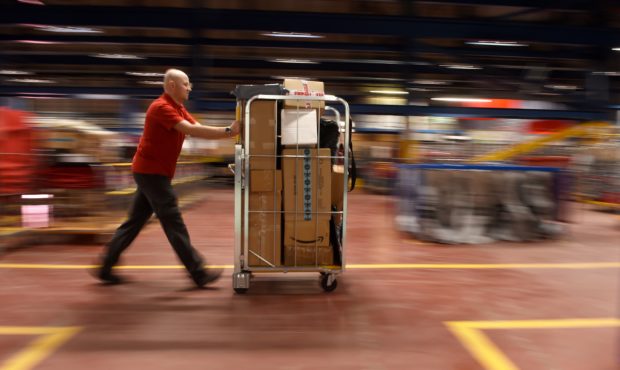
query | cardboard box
(337,185)
(265,180)
(308,256)
(264,224)
(307,184)
(306,233)
(299,126)
(263,138)
(304,88)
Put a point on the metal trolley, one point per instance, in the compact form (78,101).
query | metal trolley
(244,270)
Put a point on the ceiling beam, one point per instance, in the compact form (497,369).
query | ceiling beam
(356,24)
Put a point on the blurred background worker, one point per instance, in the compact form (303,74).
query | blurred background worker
(166,124)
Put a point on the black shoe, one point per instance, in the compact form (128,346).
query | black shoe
(206,276)
(107,277)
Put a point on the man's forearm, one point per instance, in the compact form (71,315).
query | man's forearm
(208,132)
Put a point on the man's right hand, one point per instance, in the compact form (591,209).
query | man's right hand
(235,128)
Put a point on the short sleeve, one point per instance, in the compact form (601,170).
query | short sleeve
(168,116)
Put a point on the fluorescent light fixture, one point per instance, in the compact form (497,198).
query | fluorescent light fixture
(145,74)
(298,35)
(421,89)
(100,96)
(496,43)
(66,29)
(12,72)
(116,56)
(463,100)
(294,61)
(37,196)
(562,87)
(389,92)
(430,82)
(31,2)
(38,42)
(152,82)
(616,49)
(613,74)
(459,66)
(30,81)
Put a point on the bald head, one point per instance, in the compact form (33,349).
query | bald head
(177,85)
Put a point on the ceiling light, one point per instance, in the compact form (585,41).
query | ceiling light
(389,92)
(31,2)
(100,96)
(30,81)
(421,89)
(145,74)
(293,35)
(152,82)
(616,49)
(37,42)
(495,43)
(430,82)
(459,66)
(66,29)
(116,56)
(13,72)
(562,87)
(294,61)
(463,100)
(613,74)
(37,196)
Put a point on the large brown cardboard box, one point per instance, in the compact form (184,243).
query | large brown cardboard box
(263,117)
(307,183)
(264,224)
(304,88)
(307,200)
(308,256)
(265,181)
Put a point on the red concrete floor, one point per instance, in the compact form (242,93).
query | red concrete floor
(378,318)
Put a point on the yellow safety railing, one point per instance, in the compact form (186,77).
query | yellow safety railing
(581,130)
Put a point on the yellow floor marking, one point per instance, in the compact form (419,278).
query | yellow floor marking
(492,358)
(578,265)
(416,266)
(49,339)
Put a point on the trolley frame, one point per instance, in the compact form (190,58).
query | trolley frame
(242,270)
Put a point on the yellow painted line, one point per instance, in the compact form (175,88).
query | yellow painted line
(577,265)
(491,357)
(413,266)
(542,324)
(481,348)
(81,267)
(581,265)
(48,340)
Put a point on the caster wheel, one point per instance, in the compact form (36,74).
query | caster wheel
(328,282)
(241,290)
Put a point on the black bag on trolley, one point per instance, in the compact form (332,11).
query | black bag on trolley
(245,92)
(329,137)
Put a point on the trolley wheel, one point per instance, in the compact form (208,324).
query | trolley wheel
(240,290)
(328,282)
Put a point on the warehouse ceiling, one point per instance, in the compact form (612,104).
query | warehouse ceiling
(554,51)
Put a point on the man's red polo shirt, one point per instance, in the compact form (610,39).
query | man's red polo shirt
(160,144)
